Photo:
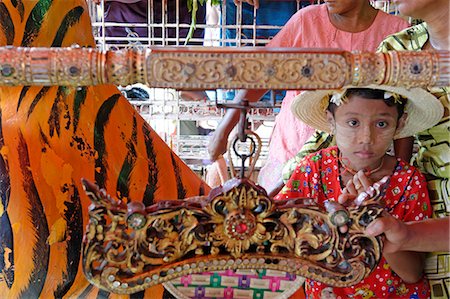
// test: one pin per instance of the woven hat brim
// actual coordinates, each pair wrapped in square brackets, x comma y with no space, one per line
[423,109]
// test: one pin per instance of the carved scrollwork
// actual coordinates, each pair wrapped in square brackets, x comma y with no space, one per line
[211,68]
[412,70]
[129,247]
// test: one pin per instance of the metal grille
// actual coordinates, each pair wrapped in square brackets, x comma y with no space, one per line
[165,23]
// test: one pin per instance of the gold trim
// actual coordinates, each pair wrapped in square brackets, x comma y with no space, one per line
[130,247]
[211,68]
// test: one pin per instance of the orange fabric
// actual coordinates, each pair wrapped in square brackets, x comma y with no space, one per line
[49,140]
[299,294]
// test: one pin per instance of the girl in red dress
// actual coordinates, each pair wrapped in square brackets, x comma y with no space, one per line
[364,122]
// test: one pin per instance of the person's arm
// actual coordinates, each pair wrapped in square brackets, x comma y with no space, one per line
[409,264]
[219,140]
[255,3]
[425,236]
[406,264]
[404,148]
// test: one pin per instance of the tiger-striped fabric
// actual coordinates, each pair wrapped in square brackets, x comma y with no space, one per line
[50,138]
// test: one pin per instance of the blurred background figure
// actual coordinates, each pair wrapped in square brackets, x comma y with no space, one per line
[168,25]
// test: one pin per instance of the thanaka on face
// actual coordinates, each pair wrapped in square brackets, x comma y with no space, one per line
[364,129]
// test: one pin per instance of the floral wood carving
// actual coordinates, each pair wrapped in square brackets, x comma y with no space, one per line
[128,247]
[211,68]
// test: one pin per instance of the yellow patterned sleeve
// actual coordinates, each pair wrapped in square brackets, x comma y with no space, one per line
[319,140]
[409,39]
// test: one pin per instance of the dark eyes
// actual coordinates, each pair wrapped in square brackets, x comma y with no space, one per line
[379,124]
[353,123]
[382,124]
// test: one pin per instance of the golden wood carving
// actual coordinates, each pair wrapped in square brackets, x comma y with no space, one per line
[210,68]
[128,247]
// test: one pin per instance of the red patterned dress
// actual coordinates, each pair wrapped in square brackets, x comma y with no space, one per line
[317,176]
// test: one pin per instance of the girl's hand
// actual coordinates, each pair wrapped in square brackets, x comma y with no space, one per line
[369,192]
[358,184]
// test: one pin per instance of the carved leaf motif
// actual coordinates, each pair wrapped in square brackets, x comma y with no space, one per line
[236,227]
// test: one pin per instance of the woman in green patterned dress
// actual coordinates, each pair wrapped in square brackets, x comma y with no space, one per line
[433,157]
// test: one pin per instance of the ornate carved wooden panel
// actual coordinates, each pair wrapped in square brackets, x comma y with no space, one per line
[128,247]
[210,68]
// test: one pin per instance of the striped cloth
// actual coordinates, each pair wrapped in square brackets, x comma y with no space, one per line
[433,159]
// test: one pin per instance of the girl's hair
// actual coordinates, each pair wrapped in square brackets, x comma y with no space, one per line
[373,94]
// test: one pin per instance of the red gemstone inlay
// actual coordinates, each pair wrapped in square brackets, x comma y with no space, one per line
[241,228]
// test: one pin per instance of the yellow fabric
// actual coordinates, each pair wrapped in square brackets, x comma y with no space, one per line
[433,157]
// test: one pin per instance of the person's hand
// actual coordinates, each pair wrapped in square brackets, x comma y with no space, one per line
[361,196]
[396,232]
[217,145]
[358,184]
[255,3]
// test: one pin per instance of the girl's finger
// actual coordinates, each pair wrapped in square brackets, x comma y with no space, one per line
[364,180]
[345,197]
[356,182]
[351,188]
[378,185]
